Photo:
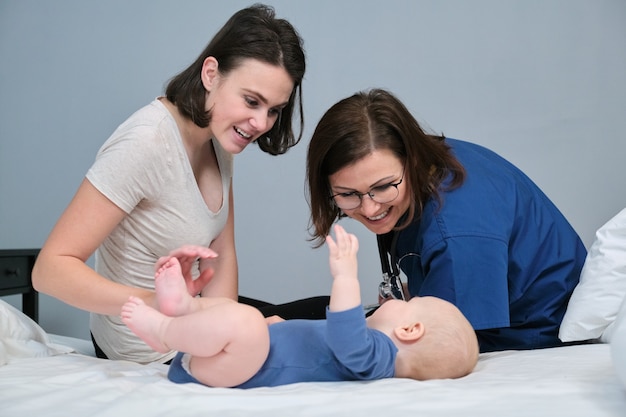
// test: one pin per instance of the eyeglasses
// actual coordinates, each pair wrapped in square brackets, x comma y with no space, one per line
[382,194]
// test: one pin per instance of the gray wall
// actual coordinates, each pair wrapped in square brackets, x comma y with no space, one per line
[541,81]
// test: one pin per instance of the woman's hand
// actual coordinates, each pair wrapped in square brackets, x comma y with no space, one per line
[188,255]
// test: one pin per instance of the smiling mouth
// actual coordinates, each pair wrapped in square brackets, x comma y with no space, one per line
[380,216]
[243,134]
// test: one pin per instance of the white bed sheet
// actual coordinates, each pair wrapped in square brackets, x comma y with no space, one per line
[78,345]
[568,381]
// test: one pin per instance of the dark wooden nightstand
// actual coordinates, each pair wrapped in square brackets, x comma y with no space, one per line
[16,266]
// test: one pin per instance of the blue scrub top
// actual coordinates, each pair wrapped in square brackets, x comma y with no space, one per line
[498,249]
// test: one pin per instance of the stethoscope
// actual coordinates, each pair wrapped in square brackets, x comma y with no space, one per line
[391,285]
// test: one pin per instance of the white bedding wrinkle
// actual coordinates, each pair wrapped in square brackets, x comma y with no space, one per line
[21,337]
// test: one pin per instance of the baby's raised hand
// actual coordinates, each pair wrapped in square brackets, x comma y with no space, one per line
[342,253]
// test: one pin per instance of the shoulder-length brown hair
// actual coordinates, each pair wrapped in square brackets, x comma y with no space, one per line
[358,125]
[255,33]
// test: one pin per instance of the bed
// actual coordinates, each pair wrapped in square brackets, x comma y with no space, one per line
[50,375]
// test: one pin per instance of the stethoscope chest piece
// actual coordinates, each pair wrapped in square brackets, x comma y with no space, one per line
[391,285]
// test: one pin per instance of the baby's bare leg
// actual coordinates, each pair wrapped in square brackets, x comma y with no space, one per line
[236,344]
[171,291]
[146,322]
[229,342]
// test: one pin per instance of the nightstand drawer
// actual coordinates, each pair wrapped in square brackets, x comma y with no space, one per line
[14,272]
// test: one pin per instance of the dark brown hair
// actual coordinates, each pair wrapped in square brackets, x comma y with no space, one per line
[358,125]
[255,33]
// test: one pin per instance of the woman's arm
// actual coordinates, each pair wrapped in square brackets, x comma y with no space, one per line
[60,269]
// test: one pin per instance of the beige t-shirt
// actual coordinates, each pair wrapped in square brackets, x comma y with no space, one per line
[143,168]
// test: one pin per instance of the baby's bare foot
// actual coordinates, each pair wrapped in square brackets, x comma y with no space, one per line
[145,322]
[171,290]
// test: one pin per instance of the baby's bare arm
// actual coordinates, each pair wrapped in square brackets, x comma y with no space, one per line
[346,292]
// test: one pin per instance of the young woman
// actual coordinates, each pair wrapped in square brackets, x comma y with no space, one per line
[461,222]
[164,179]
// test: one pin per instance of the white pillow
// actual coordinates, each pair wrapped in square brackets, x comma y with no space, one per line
[608,334]
[21,337]
[601,291]
[618,345]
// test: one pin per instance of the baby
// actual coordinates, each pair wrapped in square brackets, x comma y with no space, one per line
[222,343]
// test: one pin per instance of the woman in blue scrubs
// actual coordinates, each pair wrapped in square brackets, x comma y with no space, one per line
[461,222]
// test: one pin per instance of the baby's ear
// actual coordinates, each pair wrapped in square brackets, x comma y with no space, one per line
[410,333]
